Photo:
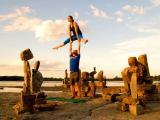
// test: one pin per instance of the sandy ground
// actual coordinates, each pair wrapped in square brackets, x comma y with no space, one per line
[93,109]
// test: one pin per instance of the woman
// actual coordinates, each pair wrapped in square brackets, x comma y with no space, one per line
[74,33]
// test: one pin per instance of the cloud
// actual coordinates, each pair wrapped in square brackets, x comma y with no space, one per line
[53,30]
[76,15]
[18,12]
[49,29]
[142,45]
[134,9]
[145,28]
[22,23]
[119,16]
[119,20]
[45,30]
[47,65]
[97,12]
[139,45]
[156,2]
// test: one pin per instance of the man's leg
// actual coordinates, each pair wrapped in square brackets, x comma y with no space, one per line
[78,87]
[77,84]
[72,86]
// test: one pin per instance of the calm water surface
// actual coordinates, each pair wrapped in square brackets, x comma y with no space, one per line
[47,84]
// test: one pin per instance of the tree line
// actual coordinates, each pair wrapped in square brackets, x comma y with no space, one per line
[20,78]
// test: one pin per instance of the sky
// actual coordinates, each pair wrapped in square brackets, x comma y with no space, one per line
[116,30]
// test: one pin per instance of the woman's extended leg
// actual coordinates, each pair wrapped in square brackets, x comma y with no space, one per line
[68,40]
[58,46]
[62,44]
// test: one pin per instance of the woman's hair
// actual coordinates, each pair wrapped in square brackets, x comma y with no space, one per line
[70,17]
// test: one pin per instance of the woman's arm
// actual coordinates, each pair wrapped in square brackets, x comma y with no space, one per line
[76,29]
[69,33]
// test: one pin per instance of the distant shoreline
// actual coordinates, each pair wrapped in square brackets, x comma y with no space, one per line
[20,78]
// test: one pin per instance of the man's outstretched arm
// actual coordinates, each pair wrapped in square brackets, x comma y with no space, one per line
[70,48]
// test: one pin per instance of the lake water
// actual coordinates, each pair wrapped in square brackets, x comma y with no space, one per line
[20,83]
[47,84]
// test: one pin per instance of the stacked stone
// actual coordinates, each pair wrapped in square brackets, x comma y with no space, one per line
[36,78]
[87,88]
[27,98]
[65,80]
[25,56]
[100,78]
[91,75]
[134,77]
[31,85]
[31,97]
[136,84]
[85,83]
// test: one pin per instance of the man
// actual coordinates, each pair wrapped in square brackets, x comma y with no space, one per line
[74,70]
